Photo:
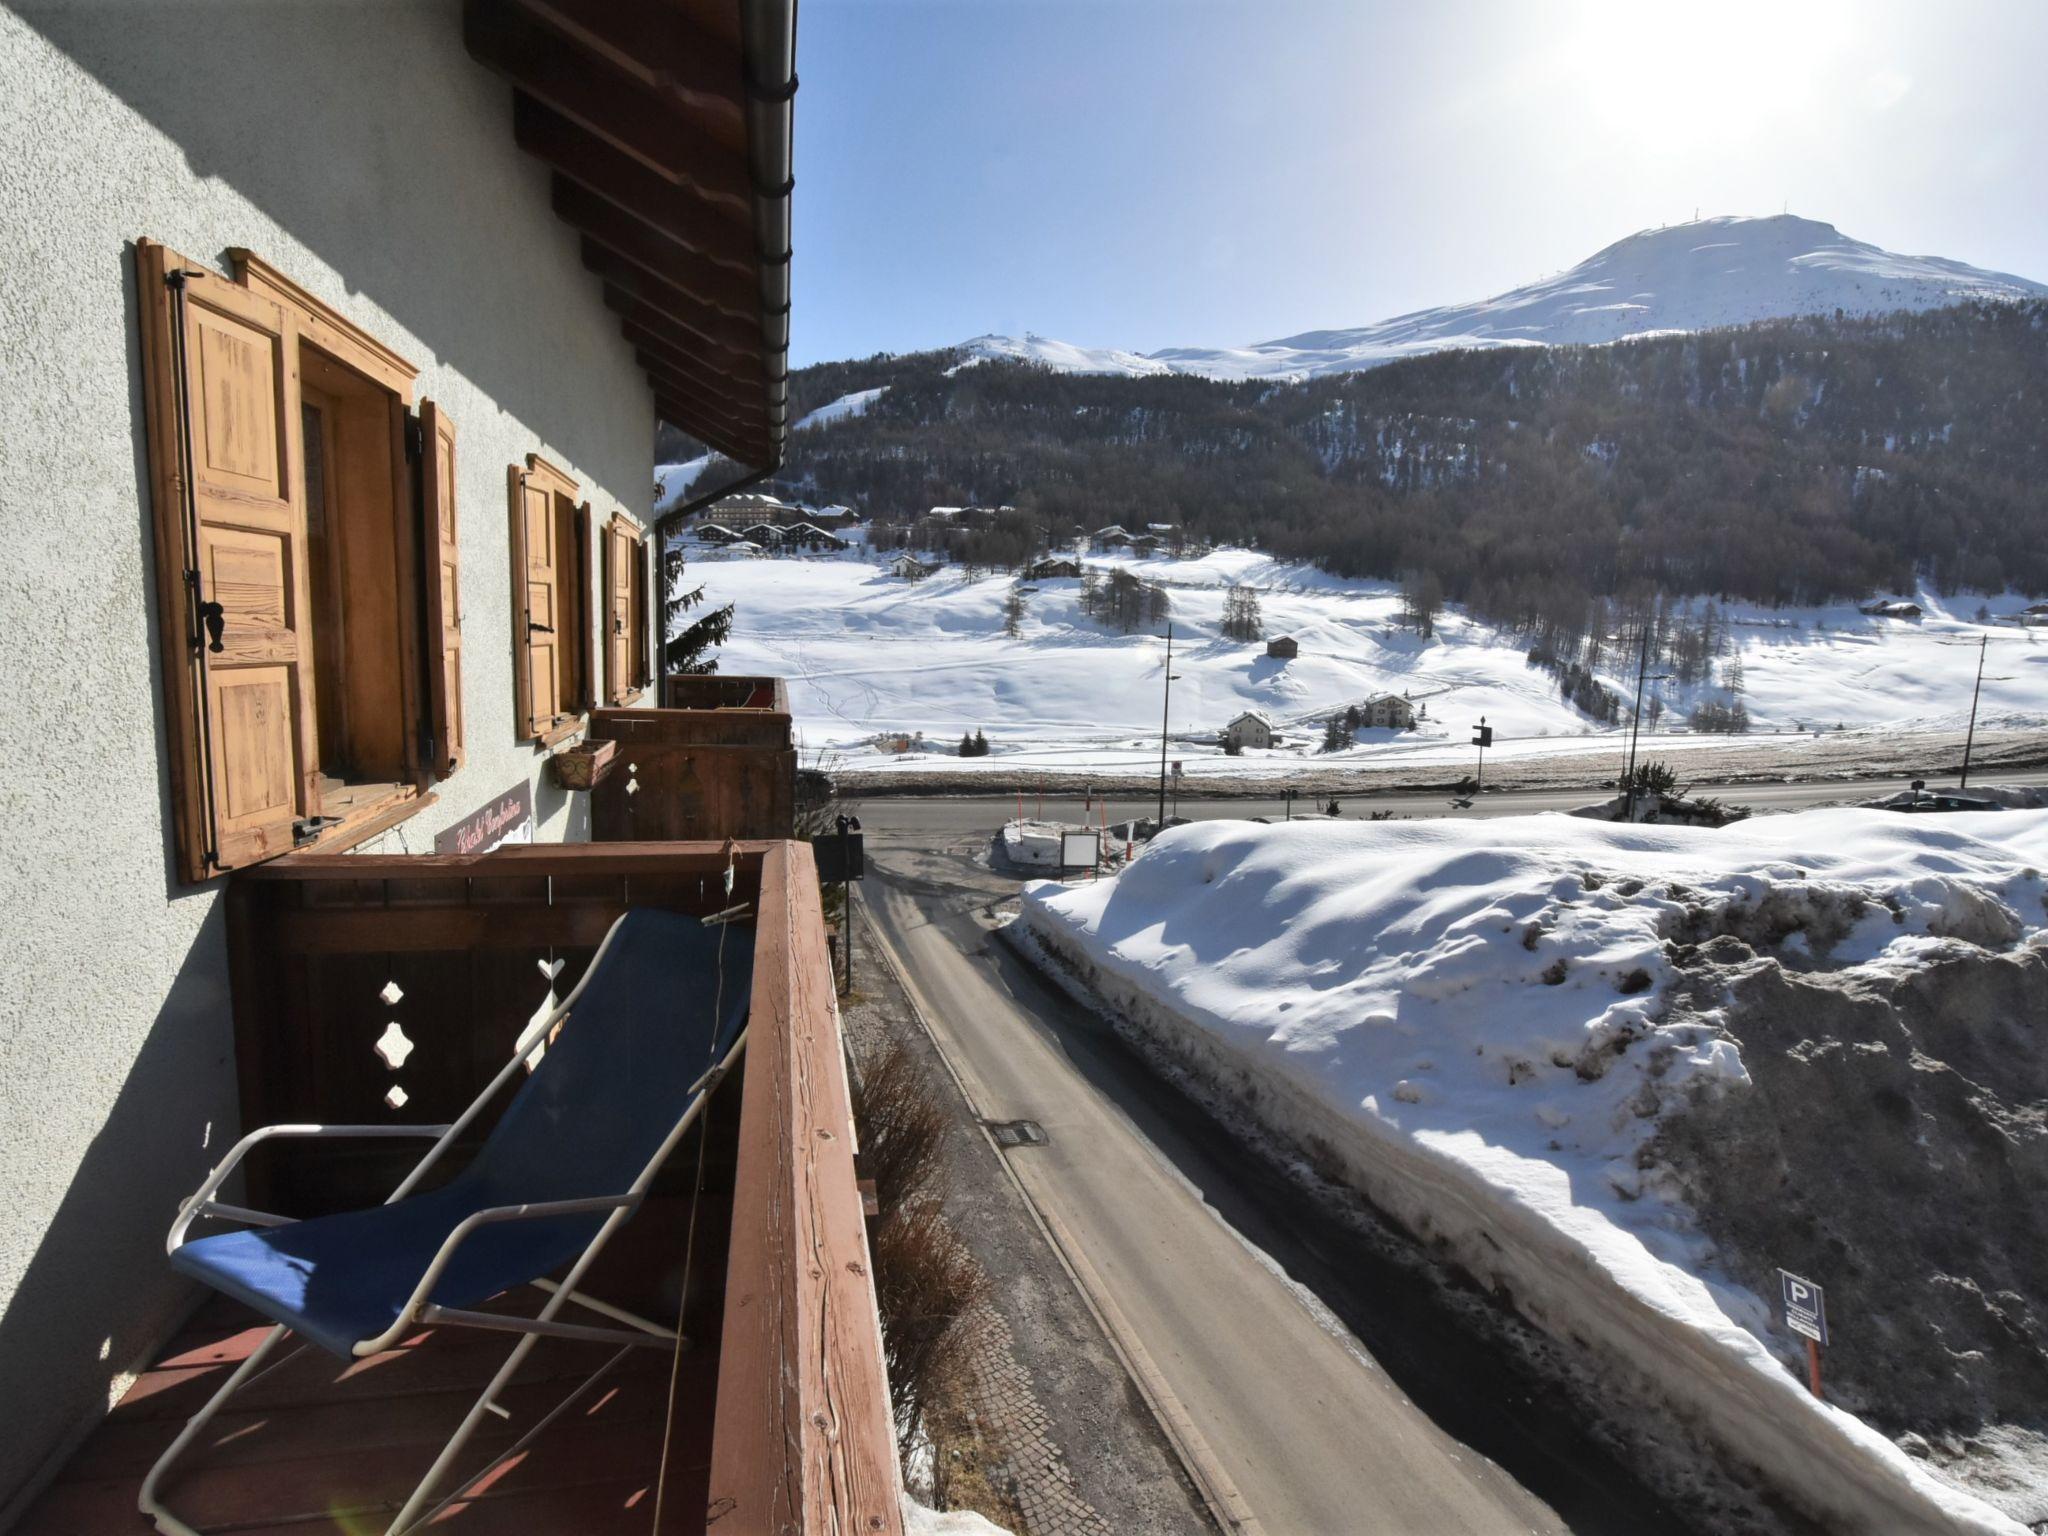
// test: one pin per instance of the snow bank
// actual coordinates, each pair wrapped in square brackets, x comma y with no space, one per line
[1032,844]
[1463,1020]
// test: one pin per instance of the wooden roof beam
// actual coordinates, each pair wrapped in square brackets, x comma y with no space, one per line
[719,295]
[740,359]
[714,409]
[751,452]
[632,117]
[662,48]
[714,229]
[715,330]
[635,311]
[654,351]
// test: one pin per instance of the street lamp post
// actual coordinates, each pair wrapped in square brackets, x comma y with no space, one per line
[1165,709]
[1970,736]
[1635,727]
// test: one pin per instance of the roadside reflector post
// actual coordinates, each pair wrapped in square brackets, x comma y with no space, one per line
[1806,1314]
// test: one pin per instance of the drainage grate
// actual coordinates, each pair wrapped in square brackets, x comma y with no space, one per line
[1016,1133]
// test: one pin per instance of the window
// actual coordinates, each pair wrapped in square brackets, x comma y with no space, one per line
[626,668]
[551,585]
[305,706]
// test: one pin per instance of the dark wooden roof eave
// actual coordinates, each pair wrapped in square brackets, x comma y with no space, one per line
[667,124]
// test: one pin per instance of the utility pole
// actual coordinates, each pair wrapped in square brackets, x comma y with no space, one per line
[1969,739]
[1642,676]
[1164,709]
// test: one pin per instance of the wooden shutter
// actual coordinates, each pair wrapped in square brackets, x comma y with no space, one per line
[623,673]
[537,602]
[583,618]
[444,586]
[221,384]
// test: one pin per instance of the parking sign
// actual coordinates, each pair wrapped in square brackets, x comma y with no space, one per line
[1806,1307]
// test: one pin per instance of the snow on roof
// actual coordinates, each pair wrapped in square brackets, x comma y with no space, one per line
[1252,714]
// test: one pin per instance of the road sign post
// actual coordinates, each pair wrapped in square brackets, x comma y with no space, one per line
[1806,1314]
[1482,738]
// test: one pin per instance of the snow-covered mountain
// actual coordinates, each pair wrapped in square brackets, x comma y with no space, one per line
[1684,277]
[1062,356]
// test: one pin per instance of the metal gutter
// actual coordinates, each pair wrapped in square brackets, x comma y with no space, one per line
[768,53]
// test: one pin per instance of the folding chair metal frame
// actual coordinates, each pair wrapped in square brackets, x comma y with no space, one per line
[419,1311]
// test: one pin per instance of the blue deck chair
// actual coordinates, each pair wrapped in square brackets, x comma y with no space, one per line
[646,1035]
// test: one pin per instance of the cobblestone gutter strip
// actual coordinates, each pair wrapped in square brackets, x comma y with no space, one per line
[1065,1446]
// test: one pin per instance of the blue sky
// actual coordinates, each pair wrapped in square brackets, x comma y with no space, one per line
[1149,173]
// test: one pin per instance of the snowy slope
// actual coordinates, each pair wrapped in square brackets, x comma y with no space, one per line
[867,654]
[855,404]
[1685,277]
[1063,356]
[1469,1017]
[672,482]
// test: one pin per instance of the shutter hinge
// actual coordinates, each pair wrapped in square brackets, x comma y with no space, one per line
[308,828]
[212,618]
[415,439]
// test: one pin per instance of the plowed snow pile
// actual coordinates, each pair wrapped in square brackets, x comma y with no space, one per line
[1625,1072]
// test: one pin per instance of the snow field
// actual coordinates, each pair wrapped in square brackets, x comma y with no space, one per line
[869,655]
[1462,1019]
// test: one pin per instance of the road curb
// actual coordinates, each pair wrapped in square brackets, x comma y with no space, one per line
[1218,1492]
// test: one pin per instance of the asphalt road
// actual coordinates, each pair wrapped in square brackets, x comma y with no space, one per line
[1320,1385]
[941,818]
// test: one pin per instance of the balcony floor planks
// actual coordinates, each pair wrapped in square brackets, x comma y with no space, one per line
[323,1446]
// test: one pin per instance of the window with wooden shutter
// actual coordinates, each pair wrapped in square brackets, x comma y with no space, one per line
[550,579]
[625,619]
[287,564]
[221,385]
[444,584]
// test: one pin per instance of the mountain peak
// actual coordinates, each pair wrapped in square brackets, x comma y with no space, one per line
[1719,271]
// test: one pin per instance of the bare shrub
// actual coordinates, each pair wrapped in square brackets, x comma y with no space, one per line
[926,1280]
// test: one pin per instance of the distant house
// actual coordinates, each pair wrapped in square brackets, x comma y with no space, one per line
[1056,565]
[810,536]
[909,567]
[2032,614]
[1283,646]
[767,535]
[1250,729]
[1389,712]
[836,517]
[1889,610]
[1145,543]
[1111,538]
[715,533]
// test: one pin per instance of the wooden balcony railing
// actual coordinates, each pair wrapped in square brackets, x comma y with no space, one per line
[801,1438]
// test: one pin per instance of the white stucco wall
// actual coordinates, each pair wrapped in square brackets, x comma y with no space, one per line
[357,148]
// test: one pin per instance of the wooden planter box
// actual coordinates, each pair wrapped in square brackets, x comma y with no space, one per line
[581,766]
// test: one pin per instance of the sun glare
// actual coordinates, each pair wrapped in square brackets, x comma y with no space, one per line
[1676,78]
